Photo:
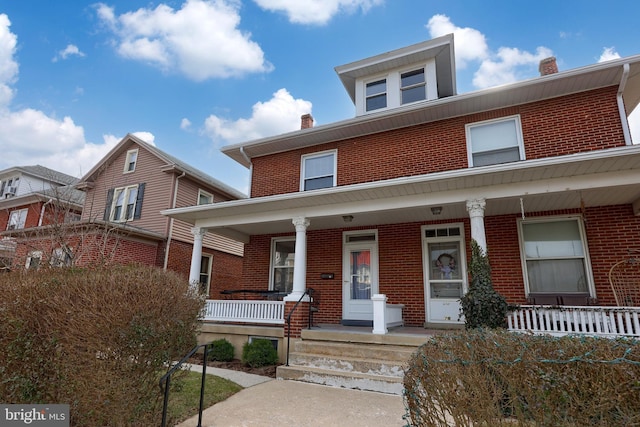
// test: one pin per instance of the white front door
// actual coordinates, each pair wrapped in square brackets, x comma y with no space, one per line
[359,277]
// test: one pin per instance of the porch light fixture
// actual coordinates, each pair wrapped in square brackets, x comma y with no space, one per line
[347,218]
[436,210]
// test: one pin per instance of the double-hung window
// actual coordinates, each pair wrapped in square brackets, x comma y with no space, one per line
[413,86]
[555,256]
[495,141]
[206,261]
[318,171]
[282,260]
[130,162]
[376,95]
[124,203]
[17,219]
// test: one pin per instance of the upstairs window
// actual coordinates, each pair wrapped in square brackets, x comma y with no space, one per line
[495,141]
[124,203]
[9,187]
[413,86]
[318,171]
[130,162]
[204,198]
[376,95]
[17,219]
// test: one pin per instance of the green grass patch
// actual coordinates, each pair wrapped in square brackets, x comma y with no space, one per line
[184,396]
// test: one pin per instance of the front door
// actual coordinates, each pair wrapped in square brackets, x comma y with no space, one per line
[359,277]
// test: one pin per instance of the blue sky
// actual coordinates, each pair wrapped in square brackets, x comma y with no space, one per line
[192,76]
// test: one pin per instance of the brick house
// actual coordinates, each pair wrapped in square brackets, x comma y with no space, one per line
[120,221]
[542,173]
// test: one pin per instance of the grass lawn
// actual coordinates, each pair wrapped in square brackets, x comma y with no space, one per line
[184,396]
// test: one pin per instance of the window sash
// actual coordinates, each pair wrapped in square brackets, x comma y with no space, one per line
[17,219]
[319,171]
[130,162]
[122,211]
[495,142]
[282,264]
[376,95]
[204,198]
[413,86]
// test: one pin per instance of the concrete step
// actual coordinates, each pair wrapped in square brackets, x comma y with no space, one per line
[385,368]
[411,340]
[346,349]
[351,380]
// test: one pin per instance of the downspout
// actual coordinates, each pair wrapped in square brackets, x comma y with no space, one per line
[42,211]
[248,159]
[170,233]
[623,115]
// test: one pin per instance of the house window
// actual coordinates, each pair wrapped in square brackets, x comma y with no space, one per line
[318,171]
[282,259]
[205,273]
[204,198]
[412,86]
[554,256]
[124,203]
[33,260]
[495,141]
[130,162]
[17,219]
[9,187]
[61,257]
[376,95]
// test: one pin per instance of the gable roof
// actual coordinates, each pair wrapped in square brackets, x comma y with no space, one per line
[624,72]
[172,164]
[43,173]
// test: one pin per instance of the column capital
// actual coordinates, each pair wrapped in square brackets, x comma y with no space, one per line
[301,223]
[476,207]
[198,231]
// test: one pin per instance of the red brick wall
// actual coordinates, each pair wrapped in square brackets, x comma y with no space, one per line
[571,124]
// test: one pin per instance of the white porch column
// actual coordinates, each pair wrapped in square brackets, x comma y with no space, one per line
[476,213]
[300,260]
[196,256]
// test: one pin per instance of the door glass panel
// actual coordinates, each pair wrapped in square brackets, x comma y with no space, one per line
[445,273]
[360,274]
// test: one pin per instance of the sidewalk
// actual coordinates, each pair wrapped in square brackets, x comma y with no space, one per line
[266,402]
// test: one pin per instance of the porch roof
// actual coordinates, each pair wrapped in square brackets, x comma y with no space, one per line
[596,178]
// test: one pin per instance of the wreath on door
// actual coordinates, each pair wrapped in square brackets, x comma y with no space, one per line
[446,263]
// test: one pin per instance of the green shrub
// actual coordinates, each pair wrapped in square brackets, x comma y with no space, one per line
[482,306]
[494,377]
[221,350]
[97,339]
[259,352]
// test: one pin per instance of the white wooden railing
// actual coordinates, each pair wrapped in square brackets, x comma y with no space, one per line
[245,311]
[564,320]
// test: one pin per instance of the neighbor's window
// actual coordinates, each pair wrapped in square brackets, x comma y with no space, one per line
[495,141]
[61,257]
[282,259]
[413,86]
[554,255]
[376,95]
[124,203]
[205,273]
[318,171]
[130,162]
[33,260]
[204,198]
[17,219]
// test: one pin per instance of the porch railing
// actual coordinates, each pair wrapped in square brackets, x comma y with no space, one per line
[564,320]
[269,312]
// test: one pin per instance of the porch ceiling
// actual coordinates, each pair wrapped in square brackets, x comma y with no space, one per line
[601,178]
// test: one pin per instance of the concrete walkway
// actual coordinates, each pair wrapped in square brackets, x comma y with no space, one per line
[266,402]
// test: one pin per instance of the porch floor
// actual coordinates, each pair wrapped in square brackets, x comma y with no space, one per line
[400,335]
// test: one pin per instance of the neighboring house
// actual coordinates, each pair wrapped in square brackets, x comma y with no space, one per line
[32,197]
[542,173]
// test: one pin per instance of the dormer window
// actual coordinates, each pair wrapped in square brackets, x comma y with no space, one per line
[413,86]
[130,162]
[376,95]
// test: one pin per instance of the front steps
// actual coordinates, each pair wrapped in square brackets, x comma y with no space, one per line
[351,359]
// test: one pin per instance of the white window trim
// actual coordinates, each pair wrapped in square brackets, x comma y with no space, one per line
[126,190]
[128,160]
[519,136]
[208,284]
[205,194]
[303,159]
[349,233]
[33,254]
[583,240]
[20,224]
[272,254]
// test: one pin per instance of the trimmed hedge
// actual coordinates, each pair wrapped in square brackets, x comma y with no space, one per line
[494,377]
[258,353]
[221,351]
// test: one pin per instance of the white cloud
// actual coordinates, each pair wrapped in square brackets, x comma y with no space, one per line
[278,115]
[68,51]
[506,65]
[201,40]
[608,53]
[185,124]
[316,12]
[8,66]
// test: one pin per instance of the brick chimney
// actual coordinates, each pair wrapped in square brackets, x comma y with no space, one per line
[548,66]
[306,121]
